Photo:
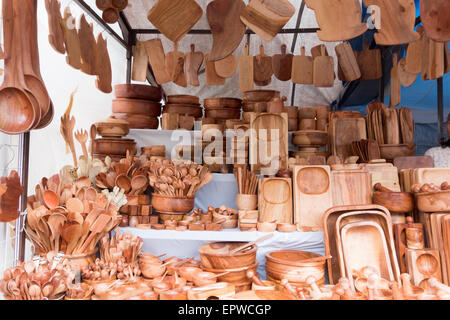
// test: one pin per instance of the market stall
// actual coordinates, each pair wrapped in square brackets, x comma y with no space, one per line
[227,165]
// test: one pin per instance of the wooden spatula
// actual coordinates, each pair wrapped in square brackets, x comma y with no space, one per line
[347,62]
[282,64]
[391,126]
[414,53]
[323,70]
[226,67]
[244,246]
[71,234]
[396,93]
[246,71]
[155,52]
[262,73]
[302,68]
[140,62]
[175,66]
[369,62]
[194,60]
[212,78]
[97,227]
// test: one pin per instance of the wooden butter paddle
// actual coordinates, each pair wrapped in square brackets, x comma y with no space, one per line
[323,75]
[194,60]
[302,68]
[140,62]
[212,78]
[175,66]
[369,62]
[246,71]
[262,71]
[347,62]
[395,83]
[282,64]
[226,67]
[414,53]
[249,244]
[155,52]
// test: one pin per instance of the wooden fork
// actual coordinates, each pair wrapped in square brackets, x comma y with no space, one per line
[82,137]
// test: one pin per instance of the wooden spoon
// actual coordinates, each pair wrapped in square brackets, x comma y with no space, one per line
[71,234]
[55,222]
[123,182]
[138,183]
[249,244]
[51,199]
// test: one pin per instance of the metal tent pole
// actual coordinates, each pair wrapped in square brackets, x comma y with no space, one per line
[440,107]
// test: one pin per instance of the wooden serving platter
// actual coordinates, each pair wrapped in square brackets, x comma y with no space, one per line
[422,265]
[384,173]
[275,200]
[342,132]
[351,187]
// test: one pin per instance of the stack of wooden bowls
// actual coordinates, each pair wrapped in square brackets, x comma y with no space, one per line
[154,151]
[222,109]
[112,143]
[292,112]
[257,101]
[216,258]
[138,104]
[185,105]
[310,143]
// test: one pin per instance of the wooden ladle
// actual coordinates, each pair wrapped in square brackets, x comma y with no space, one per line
[138,183]
[123,182]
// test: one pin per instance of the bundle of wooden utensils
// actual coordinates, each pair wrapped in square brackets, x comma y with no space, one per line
[102,271]
[10,192]
[42,278]
[247,181]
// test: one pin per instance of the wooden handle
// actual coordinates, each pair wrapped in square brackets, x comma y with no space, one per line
[380,188]
[246,50]
[270,235]
[406,282]
[394,60]
[322,50]
[218,275]
[192,47]
[283,49]
[302,51]
[252,276]
[261,50]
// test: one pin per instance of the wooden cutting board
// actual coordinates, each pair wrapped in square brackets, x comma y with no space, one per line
[56,35]
[212,78]
[396,93]
[71,40]
[174,63]
[406,79]
[282,64]
[194,61]
[302,68]
[414,53]
[434,15]
[413,162]
[174,18]
[369,62]
[262,72]
[351,187]
[384,173]
[273,124]
[104,76]
[267,17]
[396,21]
[431,175]
[312,196]
[140,62]
[391,126]
[432,59]
[347,62]
[338,20]
[275,200]
[246,71]
[407,126]
[438,243]
[343,132]
[226,68]
[87,46]
[446,242]
[323,74]
[226,27]
[157,57]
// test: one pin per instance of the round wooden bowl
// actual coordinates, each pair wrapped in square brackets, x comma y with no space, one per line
[307,124]
[235,275]
[266,226]
[138,91]
[392,151]
[286,227]
[438,201]
[152,270]
[216,256]
[254,107]
[184,109]
[138,121]
[247,201]
[113,146]
[183,99]
[261,95]
[399,202]
[189,272]
[222,103]
[136,106]
[172,205]
[224,114]
[230,224]
[307,113]
[110,15]
[307,138]
[287,264]
[218,216]
[113,128]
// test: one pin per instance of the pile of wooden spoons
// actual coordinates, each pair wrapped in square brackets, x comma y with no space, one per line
[40,279]
[110,271]
[121,245]
[10,192]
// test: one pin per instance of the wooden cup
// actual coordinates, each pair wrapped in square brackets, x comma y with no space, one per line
[247,201]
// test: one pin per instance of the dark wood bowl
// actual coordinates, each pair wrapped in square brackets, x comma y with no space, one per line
[138,121]
[172,205]
[254,107]
[261,95]
[224,114]
[113,128]
[220,103]
[113,146]
[183,99]
[184,109]
[392,151]
[397,202]
[138,91]
[136,106]
[310,138]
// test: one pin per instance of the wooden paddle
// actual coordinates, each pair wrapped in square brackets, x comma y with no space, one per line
[194,60]
[212,78]
[323,75]
[262,72]
[71,40]
[226,67]
[414,53]
[140,62]
[155,52]
[432,59]
[226,27]
[302,68]
[391,126]
[369,62]
[347,62]
[249,244]
[395,83]
[406,78]
[246,71]
[87,46]
[282,64]
[56,35]
[104,76]
[406,125]
[435,18]
[175,66]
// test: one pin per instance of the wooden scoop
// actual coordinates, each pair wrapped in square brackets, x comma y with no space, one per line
[245,246]
[262,73]
[138,183]
[97,227]
[194,60]
[123,182]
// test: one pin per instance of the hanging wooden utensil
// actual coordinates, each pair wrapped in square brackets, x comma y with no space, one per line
[104,76]
[414,54]
[226,68]
[71,40]
[267,17]
[87,46]
[157,57]
[406,78]
[282,64]
[434,15]
[369,62]
[226,27]
[212,78]
[262,73]
[174,18]
[347,62]
[246,71]
[432,59]
[140,62]
[395,83]
[194,60]
[338,20]
[396,21]
[302,68]
[175,66]
[323,75]
[56,35]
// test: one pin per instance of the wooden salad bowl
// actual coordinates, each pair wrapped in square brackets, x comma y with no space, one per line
[170,204]
[113,128]
[183,99]
[217,255]
[397,202]
[138,91]
[392,151]
[310,138]
[219,103]
[437,201]
[136,106]
[261,95]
